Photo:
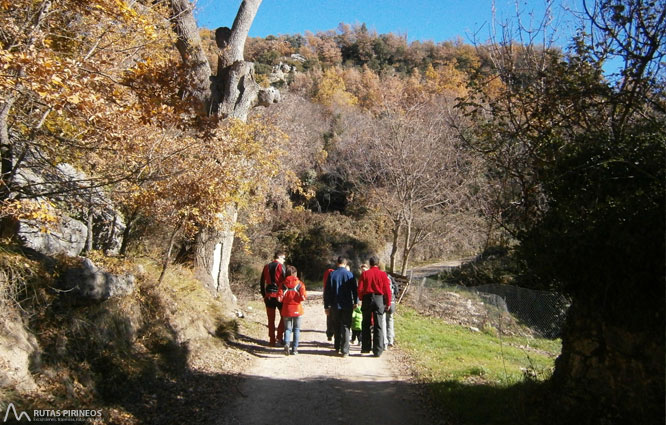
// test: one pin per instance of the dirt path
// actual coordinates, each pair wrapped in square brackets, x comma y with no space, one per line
[433,269]
[319,387]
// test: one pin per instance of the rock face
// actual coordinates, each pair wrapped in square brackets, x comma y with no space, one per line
[89,283]
[67,237]
[17,349]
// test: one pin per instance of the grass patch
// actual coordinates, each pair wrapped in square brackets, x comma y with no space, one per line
[477,377]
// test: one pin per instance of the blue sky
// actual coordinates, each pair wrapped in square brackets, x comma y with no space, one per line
[436,20]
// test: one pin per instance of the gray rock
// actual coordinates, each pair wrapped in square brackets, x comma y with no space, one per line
[67,237]
[18,349]
[88,282]
[298,57]
[108,223]
[268,96]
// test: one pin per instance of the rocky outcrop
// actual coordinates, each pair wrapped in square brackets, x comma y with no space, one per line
[87,282]
[66,237]
[68,188]
[18,347]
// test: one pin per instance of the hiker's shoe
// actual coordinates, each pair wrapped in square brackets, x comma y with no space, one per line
[294,352]
[345,355]
[286,349]
[330,338]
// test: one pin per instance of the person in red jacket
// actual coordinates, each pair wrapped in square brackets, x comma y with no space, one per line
[271,277]
[375,292]
[292,292]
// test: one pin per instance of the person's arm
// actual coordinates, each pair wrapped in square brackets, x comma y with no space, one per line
[354,288]
[262,282]
[387,291]
[327,293]
[361,286]
[303,292]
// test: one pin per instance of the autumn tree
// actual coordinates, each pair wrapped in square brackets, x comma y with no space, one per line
[232,94]
[412,168]
[582,157]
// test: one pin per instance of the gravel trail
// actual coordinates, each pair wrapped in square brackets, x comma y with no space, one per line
[317,386]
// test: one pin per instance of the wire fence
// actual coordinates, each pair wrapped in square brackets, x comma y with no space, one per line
[510,309]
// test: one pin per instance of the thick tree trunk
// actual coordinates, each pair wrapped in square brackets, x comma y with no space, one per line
[5,146]
[212,256]
[609,368]
[192,54]
[233,93]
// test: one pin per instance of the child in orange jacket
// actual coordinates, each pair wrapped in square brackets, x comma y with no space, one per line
[292,292]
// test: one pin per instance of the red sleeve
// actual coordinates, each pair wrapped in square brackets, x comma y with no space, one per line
[303,293]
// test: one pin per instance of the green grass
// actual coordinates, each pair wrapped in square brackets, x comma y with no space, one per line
[477,377]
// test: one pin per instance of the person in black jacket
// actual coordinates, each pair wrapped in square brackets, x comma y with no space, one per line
[340,300]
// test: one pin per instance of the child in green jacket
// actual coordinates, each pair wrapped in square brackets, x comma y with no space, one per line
[357,318]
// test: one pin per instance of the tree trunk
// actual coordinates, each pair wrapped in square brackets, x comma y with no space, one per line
[394,245]
[167,256]
[5,146]
[406,248]
[610,368]
[192,53]
[233,93]
[212,255]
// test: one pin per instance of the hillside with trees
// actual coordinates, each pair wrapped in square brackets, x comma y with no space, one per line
[150,168]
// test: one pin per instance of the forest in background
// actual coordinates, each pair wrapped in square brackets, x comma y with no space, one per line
[416,151]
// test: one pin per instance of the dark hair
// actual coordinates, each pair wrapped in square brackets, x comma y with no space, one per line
[374,261]
[279,253]
[342,260]
[291,271]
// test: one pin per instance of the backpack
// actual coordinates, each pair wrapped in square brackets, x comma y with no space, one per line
[272,287]
[296,289]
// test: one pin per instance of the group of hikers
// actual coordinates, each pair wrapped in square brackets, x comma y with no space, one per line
[370,323]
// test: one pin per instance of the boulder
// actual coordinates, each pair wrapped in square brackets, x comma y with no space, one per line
[88,283]
[268,96]
[18,349]
[67,236]
[108,224]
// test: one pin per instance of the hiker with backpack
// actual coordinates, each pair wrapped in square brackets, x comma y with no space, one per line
[271,277]
[375,292]
[292,293]
[340,299]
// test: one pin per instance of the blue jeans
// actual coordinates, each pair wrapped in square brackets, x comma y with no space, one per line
[292,324]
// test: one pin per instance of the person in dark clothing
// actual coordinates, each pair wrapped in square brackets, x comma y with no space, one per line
[329,318]
[269,284]
[340,299]
[375,292]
